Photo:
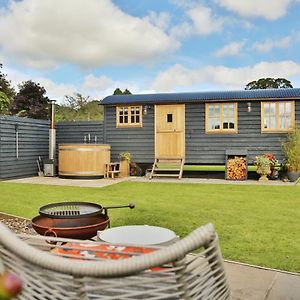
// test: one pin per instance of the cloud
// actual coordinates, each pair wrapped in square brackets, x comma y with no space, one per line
[97,87]
[102,86]
[178,76]
[54,90]
[230,49]
[92,82]
[269,44]
[270,10]
[160,20]
[42,34]
[202,21]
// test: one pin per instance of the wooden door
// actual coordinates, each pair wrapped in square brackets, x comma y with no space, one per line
[169,131]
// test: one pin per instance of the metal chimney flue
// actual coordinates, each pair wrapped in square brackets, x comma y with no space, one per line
[50,164]
[52,132]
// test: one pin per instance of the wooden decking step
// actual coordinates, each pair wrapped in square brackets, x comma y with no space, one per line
[175,165]
[166,170]
[165,175]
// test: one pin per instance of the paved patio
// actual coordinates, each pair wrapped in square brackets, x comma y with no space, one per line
[247,282]
[105,182]
[256,283]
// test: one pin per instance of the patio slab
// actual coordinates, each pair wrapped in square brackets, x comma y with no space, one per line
[97,183]
[108,181]
[286,287]
[256,283]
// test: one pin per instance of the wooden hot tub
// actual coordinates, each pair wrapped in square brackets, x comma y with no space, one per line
[83,160]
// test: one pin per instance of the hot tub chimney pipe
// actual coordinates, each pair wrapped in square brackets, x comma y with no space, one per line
[50,164]
[52,132]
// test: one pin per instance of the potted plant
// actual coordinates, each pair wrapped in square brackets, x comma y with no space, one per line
[263,167]
[125,159]
[291,150]
[274,165]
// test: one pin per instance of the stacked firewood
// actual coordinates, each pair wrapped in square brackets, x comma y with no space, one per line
[236,168]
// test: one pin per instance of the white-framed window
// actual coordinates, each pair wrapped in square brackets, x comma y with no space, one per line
[277,116]
[221,117]
[129,116]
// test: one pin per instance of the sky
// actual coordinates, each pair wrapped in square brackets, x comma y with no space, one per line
[92,47]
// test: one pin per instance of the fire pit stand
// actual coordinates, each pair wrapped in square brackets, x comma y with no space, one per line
[78,220]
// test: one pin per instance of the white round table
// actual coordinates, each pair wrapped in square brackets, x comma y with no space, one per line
[138,234]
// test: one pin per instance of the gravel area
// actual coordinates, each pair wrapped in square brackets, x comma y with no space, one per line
[17,224]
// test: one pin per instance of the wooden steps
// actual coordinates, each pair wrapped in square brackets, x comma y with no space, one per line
[167,167]
[165,175]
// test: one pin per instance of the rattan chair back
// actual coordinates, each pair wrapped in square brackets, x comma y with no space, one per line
[51,269]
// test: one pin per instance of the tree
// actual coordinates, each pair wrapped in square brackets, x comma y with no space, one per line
[79,108]
[126,92]
[117,91]
[30,101]
[269,83]
[77,101]
[4,102]
[5,85]
[6,92]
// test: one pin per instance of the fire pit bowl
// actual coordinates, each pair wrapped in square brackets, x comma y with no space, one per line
[80,228]
[77,220]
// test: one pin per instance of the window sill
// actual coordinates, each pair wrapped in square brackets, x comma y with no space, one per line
[222,132]
[130,126]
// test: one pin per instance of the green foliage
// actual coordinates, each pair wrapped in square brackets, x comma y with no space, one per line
[4,102]
[6,92]
[269,83]
[118,91]
[126,92]
[5,85]
[30,101]
[291,150]
[248,218]
[125,156]
[262,164]
[79,108]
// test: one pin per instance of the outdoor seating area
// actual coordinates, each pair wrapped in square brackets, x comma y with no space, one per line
[149,150]
[59,268]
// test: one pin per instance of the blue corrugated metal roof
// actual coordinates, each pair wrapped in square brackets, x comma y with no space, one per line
[201,96]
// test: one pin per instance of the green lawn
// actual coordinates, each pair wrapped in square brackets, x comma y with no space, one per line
[256,224]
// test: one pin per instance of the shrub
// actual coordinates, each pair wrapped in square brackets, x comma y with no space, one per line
[125,156]
[291,150]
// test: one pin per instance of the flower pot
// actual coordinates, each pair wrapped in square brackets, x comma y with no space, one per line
[263,178]
[124,168]
[293,175]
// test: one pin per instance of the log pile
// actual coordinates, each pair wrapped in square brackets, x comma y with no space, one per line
[236,168]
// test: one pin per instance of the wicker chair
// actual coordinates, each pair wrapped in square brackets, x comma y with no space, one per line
[169,272]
